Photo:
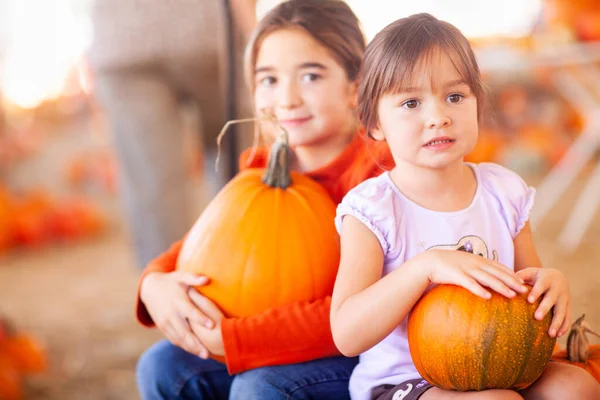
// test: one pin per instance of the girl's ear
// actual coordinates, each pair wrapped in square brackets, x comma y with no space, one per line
[377,134]
[354,95]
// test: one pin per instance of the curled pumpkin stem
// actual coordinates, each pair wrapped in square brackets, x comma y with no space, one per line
[265,116]
[224,131]
[578,345]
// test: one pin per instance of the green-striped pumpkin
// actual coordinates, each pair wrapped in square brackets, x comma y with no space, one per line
[459,341]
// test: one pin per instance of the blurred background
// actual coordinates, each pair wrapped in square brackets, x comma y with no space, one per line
[68,273]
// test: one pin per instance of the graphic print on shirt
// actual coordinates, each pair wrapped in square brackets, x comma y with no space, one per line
[400,394]
[470,244]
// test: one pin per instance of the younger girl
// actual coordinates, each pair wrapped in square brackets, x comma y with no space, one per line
[302,65]
[421,92]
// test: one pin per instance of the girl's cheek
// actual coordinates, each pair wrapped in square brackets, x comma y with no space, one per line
[263,96]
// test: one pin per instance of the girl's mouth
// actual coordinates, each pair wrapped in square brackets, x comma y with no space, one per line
[293,122]
[440,143]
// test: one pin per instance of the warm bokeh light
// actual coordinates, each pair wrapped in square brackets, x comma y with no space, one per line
[45,43]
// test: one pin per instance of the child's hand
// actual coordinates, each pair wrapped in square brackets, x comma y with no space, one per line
[471,272]
[166,299]
[210,337]
[553,285]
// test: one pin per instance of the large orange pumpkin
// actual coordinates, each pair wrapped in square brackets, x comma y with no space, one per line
[459,341]
[267,239]
[579,352]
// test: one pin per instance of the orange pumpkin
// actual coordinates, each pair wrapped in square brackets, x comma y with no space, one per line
[578,351]
[488,146]
[6,220]
[25,352]
[11,387]
[459,341]
[267,239]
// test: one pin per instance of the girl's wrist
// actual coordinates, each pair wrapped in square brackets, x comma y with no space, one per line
[417,269]
[146,284]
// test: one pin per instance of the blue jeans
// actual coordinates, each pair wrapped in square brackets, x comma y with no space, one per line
[166,371]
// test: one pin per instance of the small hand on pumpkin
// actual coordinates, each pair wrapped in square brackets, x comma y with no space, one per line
[554,286]
[165,296]
[209,336]
[472,272]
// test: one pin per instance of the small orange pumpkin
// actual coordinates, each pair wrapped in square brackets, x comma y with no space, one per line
[6,220]
[267,239]
[11,386]
[459,341]
[25,352]
[578,351]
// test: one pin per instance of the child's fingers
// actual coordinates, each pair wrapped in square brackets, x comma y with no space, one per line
[208,307]
[538,289]
[506,276]
[486,279]
[185,337]
[172,334]
[566,323]
[189,278]
[560,314]
[472,286]
[504,269]
[528,275]
[191,312]
[549,300]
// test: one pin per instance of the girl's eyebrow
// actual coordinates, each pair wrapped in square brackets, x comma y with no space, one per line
[313,65]
[455,83]
[306,65]
[449,84]
[263,69]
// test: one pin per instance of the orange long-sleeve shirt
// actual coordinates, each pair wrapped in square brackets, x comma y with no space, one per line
[299,331]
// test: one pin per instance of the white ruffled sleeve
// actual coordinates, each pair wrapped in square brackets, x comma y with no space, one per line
[514,195]
[372,203]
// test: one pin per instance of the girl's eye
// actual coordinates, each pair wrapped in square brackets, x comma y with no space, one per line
[267,81]
[455,98]
[310,77]
[411,104]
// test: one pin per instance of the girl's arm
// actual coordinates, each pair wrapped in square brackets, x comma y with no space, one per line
[294,333]
[549,283]
[365,307]
[526,255]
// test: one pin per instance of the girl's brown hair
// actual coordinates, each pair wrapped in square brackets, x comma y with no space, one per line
[331,22]
[391,58]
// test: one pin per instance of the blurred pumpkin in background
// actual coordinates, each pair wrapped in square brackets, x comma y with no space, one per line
[6,220]
[21,354]
[579,352]
[489,144]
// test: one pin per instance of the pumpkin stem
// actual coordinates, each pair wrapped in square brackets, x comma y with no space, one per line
[277,173]
[224,131]
[578,345]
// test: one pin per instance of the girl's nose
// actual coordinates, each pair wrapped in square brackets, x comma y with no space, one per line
[289,96]
[438,118]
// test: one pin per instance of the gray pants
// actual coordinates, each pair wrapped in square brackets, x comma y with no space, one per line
[145,117]
[148,57]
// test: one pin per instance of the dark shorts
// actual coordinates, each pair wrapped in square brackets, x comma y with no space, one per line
[409,390]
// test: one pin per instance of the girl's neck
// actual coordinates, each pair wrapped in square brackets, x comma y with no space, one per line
[314,156]
[448,189]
